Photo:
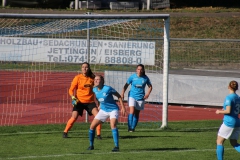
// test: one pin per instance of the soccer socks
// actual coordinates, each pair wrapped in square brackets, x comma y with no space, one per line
[69,124]
[91,134]
[130,120]
[99,127]
[237,147]
[220,152]
[135,121]
[115,137]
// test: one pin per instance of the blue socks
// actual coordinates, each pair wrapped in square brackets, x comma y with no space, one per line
[237,147]
[130,121]
[91,135]
[115,137]
[220,152]
[134,122]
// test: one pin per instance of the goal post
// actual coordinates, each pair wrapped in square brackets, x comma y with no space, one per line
[45,50]
[166,53]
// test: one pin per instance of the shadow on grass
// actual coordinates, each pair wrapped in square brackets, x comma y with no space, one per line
[76,137]
[195,130]
[120,137]
[132,137]
[166,149]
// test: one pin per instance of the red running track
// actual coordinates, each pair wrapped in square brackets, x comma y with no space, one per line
[42,98]
[18,114]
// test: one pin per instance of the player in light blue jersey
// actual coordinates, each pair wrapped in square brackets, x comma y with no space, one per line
[108,109]
[230,128]
[136,96]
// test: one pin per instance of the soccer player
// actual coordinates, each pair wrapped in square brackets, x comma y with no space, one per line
[108,109]
[136,96]
[230,128]
[82,84]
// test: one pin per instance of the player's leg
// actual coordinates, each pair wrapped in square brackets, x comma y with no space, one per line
[113,124]
[92,110]
[99,128]
[77,110]
[234,137]
[135,119]
[99,118]
[139,105]
[235,144]
[224,133]
[220,148]
[131,103]
[91,133]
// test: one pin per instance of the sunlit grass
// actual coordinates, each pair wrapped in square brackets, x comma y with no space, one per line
[181,140]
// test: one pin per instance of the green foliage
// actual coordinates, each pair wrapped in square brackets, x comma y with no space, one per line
[181,140]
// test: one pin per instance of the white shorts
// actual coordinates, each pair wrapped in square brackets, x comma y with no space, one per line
[103,115]
[139,105]
[228,132]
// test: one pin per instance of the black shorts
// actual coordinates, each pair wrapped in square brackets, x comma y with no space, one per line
[87,106]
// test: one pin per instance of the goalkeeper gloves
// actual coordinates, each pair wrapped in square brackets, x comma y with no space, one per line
[74,100]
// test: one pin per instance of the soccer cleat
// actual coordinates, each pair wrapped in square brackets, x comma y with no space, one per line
[65,135]
[131,130]
[115,149]
[90,148]
[99,137]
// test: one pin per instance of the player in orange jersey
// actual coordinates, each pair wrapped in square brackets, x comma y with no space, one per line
[83,98]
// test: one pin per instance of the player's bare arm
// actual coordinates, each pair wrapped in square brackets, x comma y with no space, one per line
[124,89]
[227,111]
[148,92]
[123,109]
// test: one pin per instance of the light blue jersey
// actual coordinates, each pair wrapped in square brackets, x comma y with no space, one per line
[105,98]
[138,85]
[231,119]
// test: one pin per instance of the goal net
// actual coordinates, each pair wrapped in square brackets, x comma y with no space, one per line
[41,54]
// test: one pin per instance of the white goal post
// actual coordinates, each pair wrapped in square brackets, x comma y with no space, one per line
[107,41]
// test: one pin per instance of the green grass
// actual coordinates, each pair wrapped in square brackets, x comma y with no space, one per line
[193,140]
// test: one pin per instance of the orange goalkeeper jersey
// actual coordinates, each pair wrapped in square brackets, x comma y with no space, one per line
[83,86]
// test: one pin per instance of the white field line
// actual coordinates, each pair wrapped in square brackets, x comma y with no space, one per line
[104,153]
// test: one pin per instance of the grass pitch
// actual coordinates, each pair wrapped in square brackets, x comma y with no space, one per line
[193,140]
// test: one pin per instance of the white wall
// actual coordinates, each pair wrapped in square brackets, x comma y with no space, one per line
[183,89]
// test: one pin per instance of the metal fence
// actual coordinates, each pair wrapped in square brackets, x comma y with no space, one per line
[204,53]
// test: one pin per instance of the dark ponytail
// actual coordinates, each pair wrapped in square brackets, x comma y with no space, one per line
[141,65]
[89,72]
